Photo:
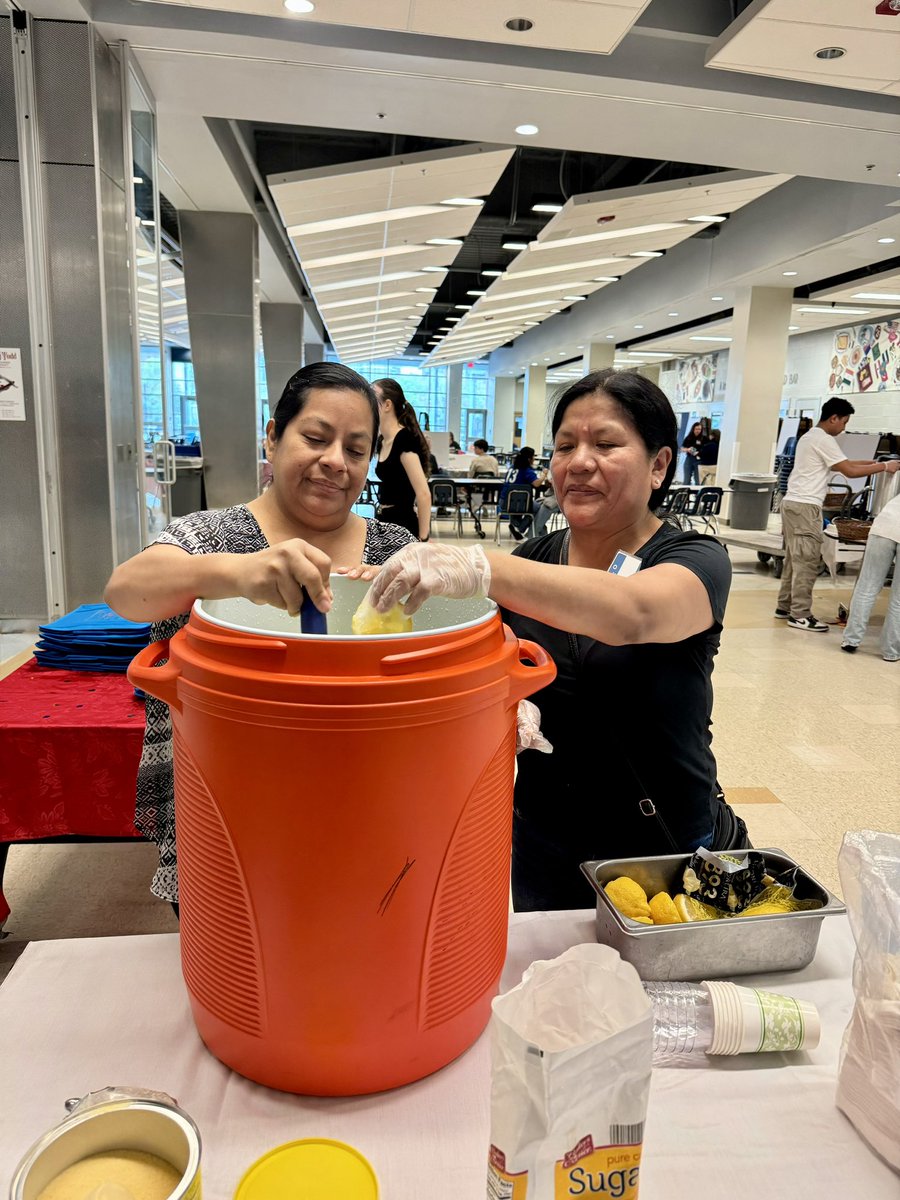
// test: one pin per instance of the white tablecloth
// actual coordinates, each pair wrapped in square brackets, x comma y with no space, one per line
[78,1015]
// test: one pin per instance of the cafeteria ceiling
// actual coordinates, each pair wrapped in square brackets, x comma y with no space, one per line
[655,92]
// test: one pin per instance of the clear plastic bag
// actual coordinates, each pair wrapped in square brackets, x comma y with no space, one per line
[869,1079]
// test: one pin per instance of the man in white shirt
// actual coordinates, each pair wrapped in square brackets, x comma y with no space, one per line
[819,456]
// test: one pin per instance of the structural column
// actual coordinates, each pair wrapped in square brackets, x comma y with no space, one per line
[504,411]
[282,337]
[753,389]
[536,431]
[454,401]
[220,266]
[597,356]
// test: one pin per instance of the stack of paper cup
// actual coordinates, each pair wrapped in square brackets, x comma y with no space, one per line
[747,1021]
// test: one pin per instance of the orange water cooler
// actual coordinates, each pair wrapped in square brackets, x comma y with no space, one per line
[343,813]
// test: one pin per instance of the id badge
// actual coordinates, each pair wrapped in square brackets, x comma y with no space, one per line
[624,564]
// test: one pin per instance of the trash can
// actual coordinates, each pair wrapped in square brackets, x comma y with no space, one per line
[751,500]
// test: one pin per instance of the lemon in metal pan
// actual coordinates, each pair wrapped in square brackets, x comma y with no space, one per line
[630,899]
[663,910]
[367,621]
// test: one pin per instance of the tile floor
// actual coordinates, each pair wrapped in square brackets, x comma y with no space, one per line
[806,740]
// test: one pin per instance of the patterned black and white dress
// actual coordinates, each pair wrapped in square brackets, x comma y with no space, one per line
[219,531]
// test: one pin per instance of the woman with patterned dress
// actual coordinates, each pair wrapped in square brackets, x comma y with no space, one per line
[319,442]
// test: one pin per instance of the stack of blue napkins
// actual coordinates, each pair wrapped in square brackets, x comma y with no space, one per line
[91,638]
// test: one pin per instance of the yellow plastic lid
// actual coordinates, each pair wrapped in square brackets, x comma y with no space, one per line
[310,1169]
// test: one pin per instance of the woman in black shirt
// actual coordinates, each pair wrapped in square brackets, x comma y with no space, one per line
[632,770]
[691,447]
[404,497]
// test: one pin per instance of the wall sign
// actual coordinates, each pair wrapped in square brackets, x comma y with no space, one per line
[12,392]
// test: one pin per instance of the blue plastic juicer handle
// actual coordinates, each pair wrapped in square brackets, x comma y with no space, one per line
[311,620]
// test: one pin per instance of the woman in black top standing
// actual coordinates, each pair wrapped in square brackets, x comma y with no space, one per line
[691,447]
[403,459]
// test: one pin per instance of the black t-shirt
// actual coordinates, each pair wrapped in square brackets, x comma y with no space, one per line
[709,452]
[395,486]
[625,722]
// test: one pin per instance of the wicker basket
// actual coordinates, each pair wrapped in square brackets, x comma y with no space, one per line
[852,530]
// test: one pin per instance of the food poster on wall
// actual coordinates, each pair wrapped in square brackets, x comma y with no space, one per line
[696,380]
[12,392]
[866,358]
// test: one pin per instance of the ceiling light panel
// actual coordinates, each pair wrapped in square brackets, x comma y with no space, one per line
[364,232]
[596,27]
[783,37]
[599,235]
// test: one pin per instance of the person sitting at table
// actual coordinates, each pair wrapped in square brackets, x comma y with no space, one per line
[521,474]
[403,462]
[319,441]
[484,464]
[433,468]
[632,770]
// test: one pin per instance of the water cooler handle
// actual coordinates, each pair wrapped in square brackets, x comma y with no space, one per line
[526,680]
[157,681]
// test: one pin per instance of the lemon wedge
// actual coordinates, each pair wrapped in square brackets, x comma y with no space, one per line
[663,910]
[689,909]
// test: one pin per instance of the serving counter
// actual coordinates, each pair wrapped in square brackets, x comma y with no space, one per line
[81,1014]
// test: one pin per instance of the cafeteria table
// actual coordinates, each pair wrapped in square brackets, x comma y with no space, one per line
[70,744]
[86,1013]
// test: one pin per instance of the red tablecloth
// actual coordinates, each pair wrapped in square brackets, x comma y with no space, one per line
[70,743]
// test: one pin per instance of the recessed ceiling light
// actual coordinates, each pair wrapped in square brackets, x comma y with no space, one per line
[700,219]
[515,245]
[647,254]
[889,296]
[433,269]
[463,202]
[672,314]
[610,335]
[829,52]
[462,305]
[527,130]
[717,297]
[136,179]
[426,289]
[574,299]
[495,272]
[793,328]
[886,241]
[638,327]
[444,242]
[476,292]
[605,279]
[533,364]
[827,310]
[710,339]
[789,272]
[548,207]
[299,6]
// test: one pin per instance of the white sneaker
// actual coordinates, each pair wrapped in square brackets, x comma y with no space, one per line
[808,623]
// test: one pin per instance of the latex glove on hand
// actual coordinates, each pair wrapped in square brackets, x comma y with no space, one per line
[528,729]
[423,569]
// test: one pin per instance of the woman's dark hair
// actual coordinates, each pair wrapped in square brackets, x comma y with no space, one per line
[328,377]
[524,458]
[403,410]
[645,406]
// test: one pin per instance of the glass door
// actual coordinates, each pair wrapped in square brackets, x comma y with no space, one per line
[476,425]
[157,460]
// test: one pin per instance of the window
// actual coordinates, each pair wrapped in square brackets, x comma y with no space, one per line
[424,387]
